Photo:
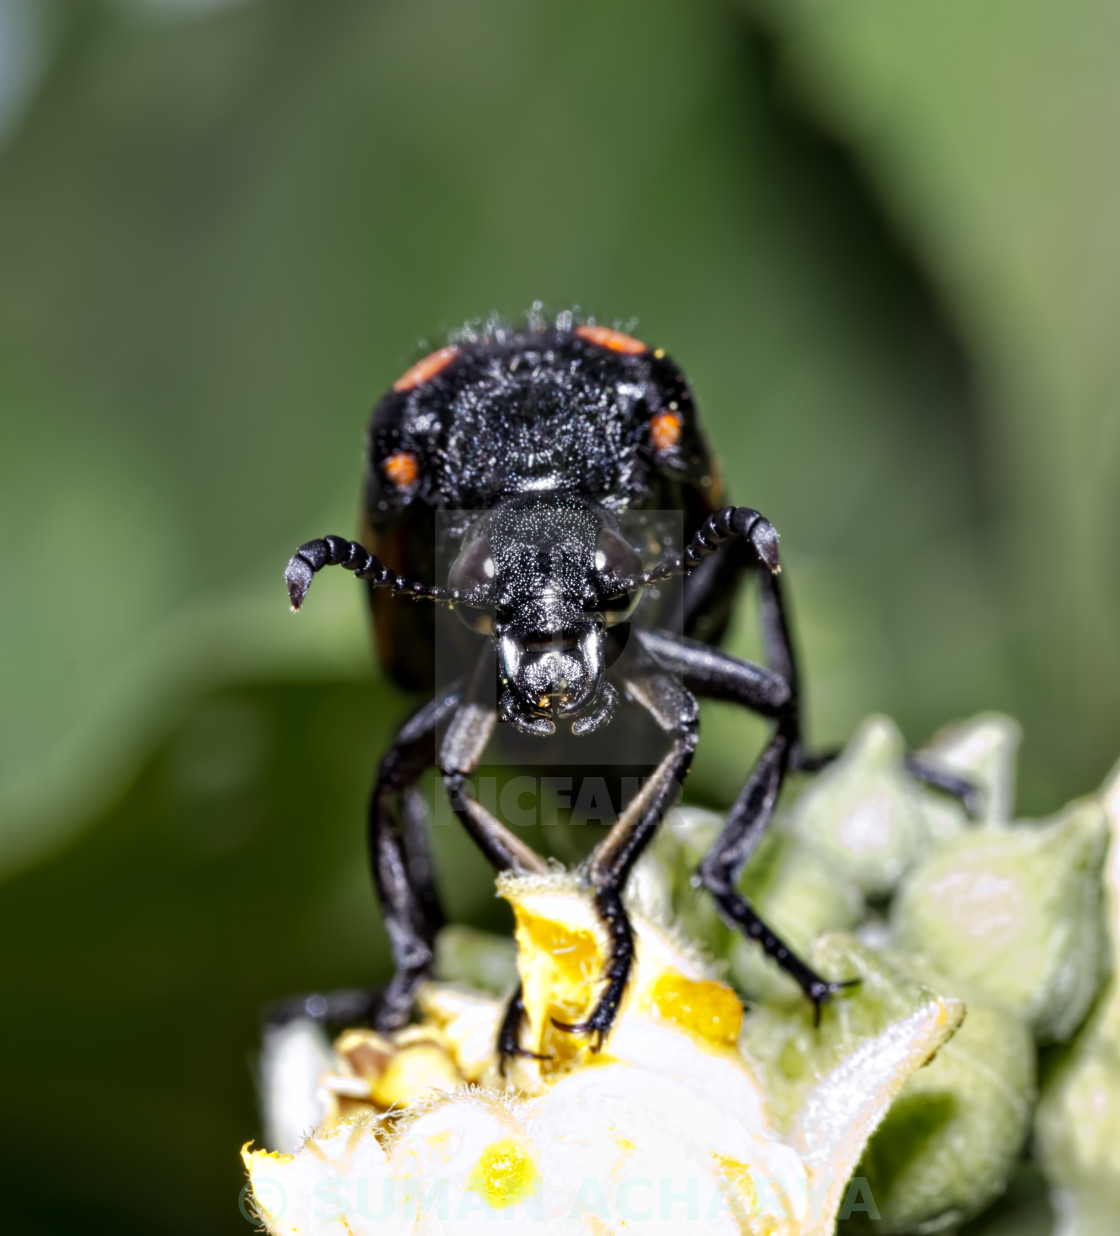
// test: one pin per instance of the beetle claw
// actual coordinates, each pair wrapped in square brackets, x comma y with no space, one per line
[821,993]
[583,1027]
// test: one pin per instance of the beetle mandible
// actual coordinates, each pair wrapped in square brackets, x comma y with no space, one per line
[546,435]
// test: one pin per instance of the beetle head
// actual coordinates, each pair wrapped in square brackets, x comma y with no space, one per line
[536,574]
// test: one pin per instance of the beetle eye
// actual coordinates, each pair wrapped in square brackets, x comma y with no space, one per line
[471,574]
[614,556]
[473,570]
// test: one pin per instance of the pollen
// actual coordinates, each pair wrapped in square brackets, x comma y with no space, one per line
[425,369]
[504,1175]
[402,469]
[665,430]
[604,337]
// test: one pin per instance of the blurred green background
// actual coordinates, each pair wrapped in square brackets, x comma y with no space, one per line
[882,240]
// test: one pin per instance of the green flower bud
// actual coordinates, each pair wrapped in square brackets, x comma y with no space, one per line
[792,1053]
[952,1138]
[1015,911]
[691,831]
[1078,1124]
[863,815]
[1078,1129]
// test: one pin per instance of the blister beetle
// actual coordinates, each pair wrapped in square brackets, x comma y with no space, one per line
[525,447]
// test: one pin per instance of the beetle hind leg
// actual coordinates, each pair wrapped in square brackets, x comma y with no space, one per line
[336,1009]
[970,796]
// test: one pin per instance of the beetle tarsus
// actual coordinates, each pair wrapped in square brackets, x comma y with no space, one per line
[597,1031]
[508,1046]
[822,993]
[298,577]
[970,796]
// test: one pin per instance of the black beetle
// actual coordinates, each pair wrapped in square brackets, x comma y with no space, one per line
[544,437]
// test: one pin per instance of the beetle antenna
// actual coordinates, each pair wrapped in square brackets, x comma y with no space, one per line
[669,568]
[722,526]
[338,551]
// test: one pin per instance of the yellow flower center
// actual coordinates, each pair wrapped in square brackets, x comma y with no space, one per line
[504,1175]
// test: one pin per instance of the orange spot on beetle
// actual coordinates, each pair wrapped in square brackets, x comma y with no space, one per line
[402,469]
[665,430]
[613,339]
[426,368]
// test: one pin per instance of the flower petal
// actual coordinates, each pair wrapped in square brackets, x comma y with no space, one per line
[293,1057]
[335,1186]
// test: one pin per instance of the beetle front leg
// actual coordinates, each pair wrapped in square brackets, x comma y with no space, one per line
[610,864]
[750,529]
[718,675]
[780,654]
[719,872]
[509,1032]
[462,749]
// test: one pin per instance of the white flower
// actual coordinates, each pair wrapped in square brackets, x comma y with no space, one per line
[667,1129]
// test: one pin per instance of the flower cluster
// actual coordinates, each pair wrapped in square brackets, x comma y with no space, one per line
[896,1110]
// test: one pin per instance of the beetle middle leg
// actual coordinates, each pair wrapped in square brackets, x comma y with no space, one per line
[743,829]
[400,858]
[403,875]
